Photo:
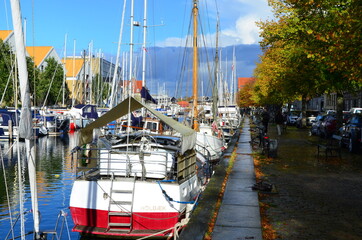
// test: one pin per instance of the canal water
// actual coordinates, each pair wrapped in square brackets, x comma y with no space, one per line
[55,175]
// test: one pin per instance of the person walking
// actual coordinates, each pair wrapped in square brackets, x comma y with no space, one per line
[279,120]
[265,120]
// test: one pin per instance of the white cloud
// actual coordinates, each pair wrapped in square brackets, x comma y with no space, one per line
[238,23]
[244,32]
[171,42]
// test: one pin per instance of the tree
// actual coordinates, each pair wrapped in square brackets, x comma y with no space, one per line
[298,61]
[50,86]
[6,82]
[245,95]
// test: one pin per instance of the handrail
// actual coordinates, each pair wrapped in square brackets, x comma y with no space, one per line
[104,161]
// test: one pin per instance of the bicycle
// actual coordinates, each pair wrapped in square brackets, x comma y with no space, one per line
[265,146]
[262,139]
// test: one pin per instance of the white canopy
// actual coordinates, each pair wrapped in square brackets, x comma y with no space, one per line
[129,105]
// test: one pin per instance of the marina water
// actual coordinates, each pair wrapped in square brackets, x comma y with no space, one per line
[55,176]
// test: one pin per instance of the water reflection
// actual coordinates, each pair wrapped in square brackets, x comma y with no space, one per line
[55,176]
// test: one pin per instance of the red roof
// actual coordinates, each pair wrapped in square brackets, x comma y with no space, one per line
[136,85]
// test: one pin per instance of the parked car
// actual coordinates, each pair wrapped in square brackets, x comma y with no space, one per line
[315,129]
[346,116]
[328,126]
[351,133]
[355,110]
[310,116]
[292,117]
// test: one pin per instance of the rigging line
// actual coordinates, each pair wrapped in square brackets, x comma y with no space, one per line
[51,83]
[21,192]
[33,39]
[217,8]
[207,57]
[2,46]
[6,15]
[184,63]
[7,84]
[168,198]
[182,60]
[207,14]
[7,192]
[154,59]
[60,92]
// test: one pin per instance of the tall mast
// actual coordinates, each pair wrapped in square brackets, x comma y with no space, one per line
[131,45]
[216,75]
[233,79]
[114,85]
[90,80]
[75,84]
[64,71]
[130,66]
[144,50]
[25,125]
[195,12]
[144,44]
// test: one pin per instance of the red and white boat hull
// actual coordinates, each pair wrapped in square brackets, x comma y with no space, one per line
[151,209]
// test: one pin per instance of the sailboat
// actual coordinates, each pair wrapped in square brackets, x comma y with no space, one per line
[207,143]
[25,126]
[135,184]
[138,184]
[229,113]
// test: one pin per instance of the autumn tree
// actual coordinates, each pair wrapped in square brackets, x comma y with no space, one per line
[307,50]
[245,94]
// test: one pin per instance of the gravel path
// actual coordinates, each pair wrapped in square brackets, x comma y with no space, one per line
[315,198]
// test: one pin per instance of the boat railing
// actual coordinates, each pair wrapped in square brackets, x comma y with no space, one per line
[203,150]
[104,163]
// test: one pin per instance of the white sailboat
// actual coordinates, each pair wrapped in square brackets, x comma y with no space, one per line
[26,124]
[138,186]
[207,143]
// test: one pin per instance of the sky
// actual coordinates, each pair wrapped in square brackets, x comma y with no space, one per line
[75,24]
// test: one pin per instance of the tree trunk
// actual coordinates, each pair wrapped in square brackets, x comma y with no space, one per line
[304,112]
[339,110]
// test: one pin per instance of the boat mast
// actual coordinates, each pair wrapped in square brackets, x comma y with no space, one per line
[25,126]
[131,45]
[74,94]
[195,12]
[216,75]
[144,44]
[144,50]
[115,73]
[233,79]
[64,71]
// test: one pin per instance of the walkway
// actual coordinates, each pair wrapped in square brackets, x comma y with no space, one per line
[239,214]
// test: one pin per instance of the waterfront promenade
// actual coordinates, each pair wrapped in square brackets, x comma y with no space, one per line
[238,217]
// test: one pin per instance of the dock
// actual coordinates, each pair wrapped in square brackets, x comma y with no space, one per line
[238,217]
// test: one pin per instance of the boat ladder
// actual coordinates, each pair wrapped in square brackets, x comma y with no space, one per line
[120,205]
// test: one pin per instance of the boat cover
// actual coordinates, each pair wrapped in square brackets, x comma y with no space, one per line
[129,105]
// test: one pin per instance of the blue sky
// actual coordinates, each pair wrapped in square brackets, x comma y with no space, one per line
[99,21]
[48,21]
